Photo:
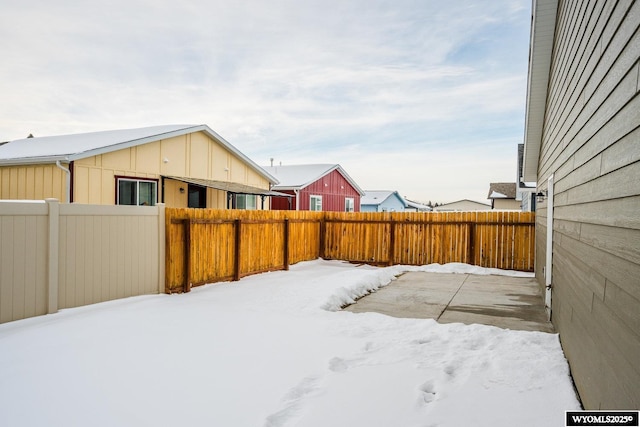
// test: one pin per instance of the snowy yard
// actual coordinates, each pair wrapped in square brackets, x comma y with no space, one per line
[273,350]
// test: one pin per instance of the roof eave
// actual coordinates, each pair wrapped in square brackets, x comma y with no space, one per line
[34,160]
[179,132]
[133,143]
[402,199]
[349,179]
[206,129]
[540,50]
[325,173]
[288,187]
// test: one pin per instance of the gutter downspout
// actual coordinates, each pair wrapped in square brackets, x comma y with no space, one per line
[297,193]
[68,183]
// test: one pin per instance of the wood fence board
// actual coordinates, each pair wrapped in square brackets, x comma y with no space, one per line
[490,239]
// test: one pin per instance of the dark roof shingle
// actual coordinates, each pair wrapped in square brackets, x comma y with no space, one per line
[508,189]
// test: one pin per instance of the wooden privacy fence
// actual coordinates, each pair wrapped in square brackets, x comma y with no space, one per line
[204,246]
[208,245]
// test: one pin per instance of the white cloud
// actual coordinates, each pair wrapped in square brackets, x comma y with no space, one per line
[284,79]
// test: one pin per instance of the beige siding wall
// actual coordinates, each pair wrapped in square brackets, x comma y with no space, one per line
[175,198]
[193,155]
[591,144]
[172,195]
[55,256]
[32,182]
[506,204]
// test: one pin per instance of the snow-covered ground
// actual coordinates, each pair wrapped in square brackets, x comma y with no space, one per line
[273,350]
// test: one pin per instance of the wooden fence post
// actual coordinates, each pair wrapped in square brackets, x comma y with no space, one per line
[236,269]
[392,241]
[286,244]
[472,232]
[323,232]
[187,251]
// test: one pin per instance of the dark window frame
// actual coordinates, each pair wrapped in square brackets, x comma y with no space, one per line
[119,178]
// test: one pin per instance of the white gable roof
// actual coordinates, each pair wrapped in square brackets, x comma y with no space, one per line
[67,148]
[416,205]
[378,197]
[296,177]
[462,205]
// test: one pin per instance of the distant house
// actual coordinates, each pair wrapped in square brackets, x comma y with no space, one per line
[382,201]
[416,207]
[525,191]
[315,187]
[180,165]
[582,148]
[462,205]
[503,196]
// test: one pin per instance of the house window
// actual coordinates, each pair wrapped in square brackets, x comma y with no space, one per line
[197,196]
[349,204]
[136,192]
[246,201]
[316,203]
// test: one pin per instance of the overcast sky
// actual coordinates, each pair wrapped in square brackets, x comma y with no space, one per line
[425,97]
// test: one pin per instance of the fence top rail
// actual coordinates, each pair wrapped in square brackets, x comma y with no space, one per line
[243,221]
[399,221]
[344,221]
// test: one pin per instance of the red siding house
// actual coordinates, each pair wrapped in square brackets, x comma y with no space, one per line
[321,187]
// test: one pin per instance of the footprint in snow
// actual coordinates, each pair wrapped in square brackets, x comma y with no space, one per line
[292,402]
[428,392]
[451,370]
[338,365]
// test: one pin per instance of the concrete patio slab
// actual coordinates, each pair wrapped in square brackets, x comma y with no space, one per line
[502,301]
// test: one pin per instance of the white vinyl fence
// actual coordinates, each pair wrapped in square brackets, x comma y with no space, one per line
[55,256]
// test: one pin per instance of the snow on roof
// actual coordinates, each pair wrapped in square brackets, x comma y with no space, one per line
[377,197]
[75,144]
[66,148]
[502,190]
[295,177]
[463,204]
[417,205]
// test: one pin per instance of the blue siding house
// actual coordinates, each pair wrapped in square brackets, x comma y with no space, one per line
[382,201]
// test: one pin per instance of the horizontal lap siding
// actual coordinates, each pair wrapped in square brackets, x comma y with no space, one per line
[591,144]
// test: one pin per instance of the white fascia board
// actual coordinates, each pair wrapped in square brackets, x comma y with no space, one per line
[287,187]
[190,129]
[132,143]
[402,200]
[349,179]
[344,174]
[34,160]
[540,50]
[206,129]
[323,174]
